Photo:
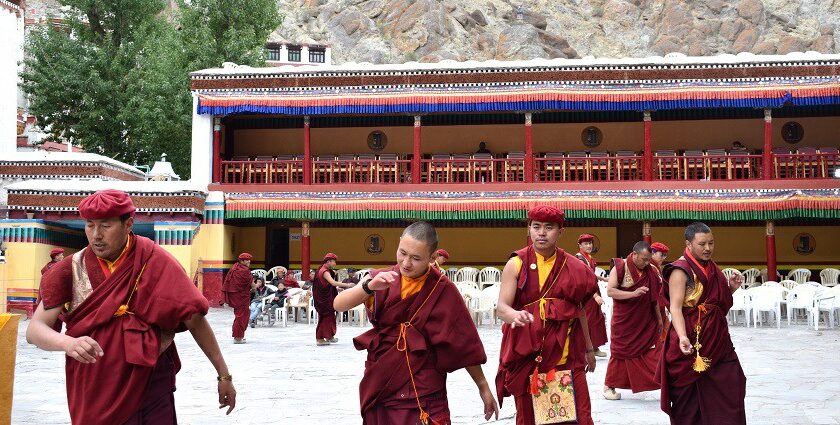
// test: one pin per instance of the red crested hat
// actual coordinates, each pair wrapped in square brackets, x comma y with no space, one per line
[659,247]
[546,214]
[55,252]
[442,253]
[330,256]
[106,204]
[586,237]
[245,256]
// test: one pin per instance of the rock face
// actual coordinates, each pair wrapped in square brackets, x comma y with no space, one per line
[393,31]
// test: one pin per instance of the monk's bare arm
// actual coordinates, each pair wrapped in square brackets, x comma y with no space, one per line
[40,332]
[590,350]
[336,283]
[356,295]
[676,289]
[507,293]
[490,405]
[617,294]
[205,338]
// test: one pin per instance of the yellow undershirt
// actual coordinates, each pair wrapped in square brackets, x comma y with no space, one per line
[410,286]
[544,267]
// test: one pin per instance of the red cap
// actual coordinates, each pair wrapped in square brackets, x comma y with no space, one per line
[659,247]
[546,214]
[55,252]
[106,204]
[245,256]
[586,237]
[330,256]
[442,253]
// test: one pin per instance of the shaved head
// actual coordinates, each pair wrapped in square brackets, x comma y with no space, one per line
[423,232]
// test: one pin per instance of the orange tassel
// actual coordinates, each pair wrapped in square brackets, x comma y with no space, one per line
[550,375]
[534,389]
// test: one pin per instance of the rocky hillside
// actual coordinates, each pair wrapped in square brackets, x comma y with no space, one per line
[392,31]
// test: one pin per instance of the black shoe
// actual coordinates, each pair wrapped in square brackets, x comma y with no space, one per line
[253,323]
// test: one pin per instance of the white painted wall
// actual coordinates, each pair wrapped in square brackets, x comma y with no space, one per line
[202,146]
[11,52]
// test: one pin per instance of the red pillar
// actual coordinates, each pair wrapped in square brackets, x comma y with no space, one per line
[767,157]
[771,251]
[529,150]
[305,256]
[647,174]
[217,149]
[307,157]
[416,162]
[646,232]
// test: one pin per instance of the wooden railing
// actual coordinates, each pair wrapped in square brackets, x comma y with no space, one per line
[546,169]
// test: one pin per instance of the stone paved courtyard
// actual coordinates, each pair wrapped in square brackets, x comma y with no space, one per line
[282,377]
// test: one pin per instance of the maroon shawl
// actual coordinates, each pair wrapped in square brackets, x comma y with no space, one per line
[442,338]
[110,390]
[237,285]
[323,292]
[520,345]
[634,326]
[675,367]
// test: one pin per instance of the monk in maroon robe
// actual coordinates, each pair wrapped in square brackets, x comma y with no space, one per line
[594,315]
[541,302]
[422,330]
[324,290]
[237,291]
[122,299]
[56,255]
[636,324]
[660,253]
[439,258]
[701,377]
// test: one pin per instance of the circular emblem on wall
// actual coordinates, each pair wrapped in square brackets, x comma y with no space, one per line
[377,140]
[793,132]
[591,136]
[373,244]
[804,243]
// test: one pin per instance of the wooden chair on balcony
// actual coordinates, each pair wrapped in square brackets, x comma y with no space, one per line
[600,166]
[235,172]
[282,172]
[514,168]
[460,169]
[364,168]
[483,168]
[322,169]
[343,168]
[577,167]
[667,165]
[808,163]
[829,161]
[554,166]
[784,163]
[742,167]
[694,165]
[296,169]
[718,164]
[439,168]
[388,169]
[626,165]
[260,170]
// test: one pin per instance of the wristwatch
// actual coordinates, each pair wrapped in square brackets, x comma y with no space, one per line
[227,377]
[366,288]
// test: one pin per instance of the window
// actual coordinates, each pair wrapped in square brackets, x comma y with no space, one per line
[294,54]
[272,53]
[317,56]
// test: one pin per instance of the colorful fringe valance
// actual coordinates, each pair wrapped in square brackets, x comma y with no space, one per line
[626,205]
[524,97]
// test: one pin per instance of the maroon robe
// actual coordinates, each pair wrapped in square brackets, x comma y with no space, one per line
[47,267]
[237,292]
[716,395]
[634,333]
[520,345]
[594,315]
[442,338]
[324,294]
[290,282]
[119,385]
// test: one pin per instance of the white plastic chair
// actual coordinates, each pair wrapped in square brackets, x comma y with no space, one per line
[451,273]
[467,274]
[766,299]
[829,277]
[741,301]
[486,303]
[729,272]
[273,272]
[600,272]
[297,274]
[825,301]
[302,300]
[607,306]
[489,276]
[789,284]
[800,275]
[764,277]
[751,277]
[800,297]
[259,273]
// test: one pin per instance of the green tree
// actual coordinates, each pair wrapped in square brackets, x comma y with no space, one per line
[115,77]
